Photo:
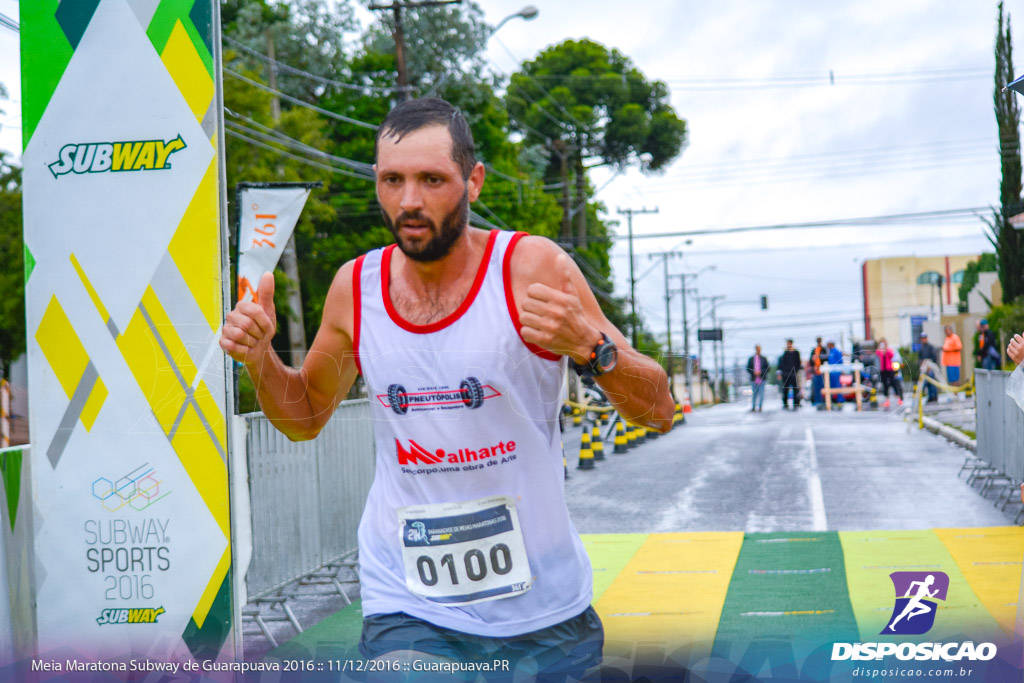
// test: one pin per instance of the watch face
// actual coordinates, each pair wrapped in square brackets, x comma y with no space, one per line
[607,354]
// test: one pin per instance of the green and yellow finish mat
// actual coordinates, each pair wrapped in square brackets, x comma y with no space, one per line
[694,597]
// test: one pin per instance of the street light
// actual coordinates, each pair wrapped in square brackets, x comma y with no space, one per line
[527,13]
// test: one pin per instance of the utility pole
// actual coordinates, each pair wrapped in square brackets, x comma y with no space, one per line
[700,348]
[714,344]
[686,330]
[629,213]
[289,260]
[561,149]
[665,256]
[275,102]
[398,35]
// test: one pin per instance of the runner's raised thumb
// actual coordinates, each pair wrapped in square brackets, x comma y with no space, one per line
[265,294]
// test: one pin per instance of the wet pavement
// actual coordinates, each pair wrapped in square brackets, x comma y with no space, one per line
[729,469]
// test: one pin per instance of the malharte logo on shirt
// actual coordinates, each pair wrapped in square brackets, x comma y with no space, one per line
[416,454]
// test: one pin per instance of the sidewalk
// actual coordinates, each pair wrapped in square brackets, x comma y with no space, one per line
[958,414]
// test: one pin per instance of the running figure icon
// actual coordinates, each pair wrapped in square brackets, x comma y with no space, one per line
[915,606]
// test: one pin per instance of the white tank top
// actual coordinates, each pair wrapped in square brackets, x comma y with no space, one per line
[465,525]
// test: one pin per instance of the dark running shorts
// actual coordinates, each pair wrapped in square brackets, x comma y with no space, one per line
[565,649]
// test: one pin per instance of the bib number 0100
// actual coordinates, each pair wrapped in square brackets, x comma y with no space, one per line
[473,560]
[466,552]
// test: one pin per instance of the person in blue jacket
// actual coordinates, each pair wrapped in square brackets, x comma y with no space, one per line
[835,357]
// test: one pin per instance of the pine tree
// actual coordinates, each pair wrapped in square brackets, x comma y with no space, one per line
[1009,242]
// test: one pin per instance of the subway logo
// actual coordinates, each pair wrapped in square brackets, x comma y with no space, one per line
[130,615]
[100,157]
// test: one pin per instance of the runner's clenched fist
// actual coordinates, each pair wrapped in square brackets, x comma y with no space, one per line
[249,328]
[554,319]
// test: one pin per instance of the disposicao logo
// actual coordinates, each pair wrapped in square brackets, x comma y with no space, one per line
[100,157]
[913,614]
[916,595]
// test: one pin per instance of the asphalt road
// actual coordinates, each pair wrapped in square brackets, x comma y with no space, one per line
[728,469]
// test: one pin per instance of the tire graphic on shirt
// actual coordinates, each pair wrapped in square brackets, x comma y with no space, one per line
[396,392]
[471,394]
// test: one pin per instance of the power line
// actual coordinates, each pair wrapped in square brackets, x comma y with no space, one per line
[306,74]
[833,223]
[821,170]
[830,78]
[846,245]
[7,22]
[308,162]
[297,101]
[272,135]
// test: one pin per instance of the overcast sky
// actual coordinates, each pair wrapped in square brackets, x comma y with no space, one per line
[907,126]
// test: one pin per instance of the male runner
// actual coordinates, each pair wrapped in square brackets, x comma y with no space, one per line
[466,548]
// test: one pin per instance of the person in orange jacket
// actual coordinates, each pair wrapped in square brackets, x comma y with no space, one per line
[951,348]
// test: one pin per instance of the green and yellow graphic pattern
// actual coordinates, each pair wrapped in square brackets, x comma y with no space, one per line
[699,588]
[188,413]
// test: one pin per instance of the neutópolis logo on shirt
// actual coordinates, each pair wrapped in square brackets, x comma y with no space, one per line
[471,394]
[916,596]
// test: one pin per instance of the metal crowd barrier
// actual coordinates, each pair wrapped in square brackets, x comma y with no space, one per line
[1000,434]
[306,497]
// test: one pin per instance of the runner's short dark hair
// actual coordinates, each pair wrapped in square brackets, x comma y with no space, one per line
[412,115]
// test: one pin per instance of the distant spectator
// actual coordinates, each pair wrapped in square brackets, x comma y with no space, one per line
[885,358]
[757,367]
[951,348]
[835,357]
[819,356]
[789,366]
[987,352]
[929,366]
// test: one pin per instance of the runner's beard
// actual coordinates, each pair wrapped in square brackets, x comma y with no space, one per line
[438,246]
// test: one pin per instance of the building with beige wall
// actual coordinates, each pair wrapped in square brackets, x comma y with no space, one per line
[902,296]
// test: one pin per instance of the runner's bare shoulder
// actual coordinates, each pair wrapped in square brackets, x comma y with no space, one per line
[339,307]
[533,260]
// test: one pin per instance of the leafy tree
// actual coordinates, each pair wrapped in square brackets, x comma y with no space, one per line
[305,34]
[1007,318]
[442,44]
[343,220]
[986,263]
[1008,242]
[591,106]
[12,267]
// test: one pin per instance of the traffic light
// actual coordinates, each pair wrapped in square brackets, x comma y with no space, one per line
[764,302]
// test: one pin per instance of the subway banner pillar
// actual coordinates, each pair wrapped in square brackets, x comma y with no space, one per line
[130,552]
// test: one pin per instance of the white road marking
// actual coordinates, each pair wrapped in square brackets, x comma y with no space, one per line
[814,484]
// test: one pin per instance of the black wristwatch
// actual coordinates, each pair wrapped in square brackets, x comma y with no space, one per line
[602,359]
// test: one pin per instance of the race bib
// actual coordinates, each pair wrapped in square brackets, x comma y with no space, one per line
[460,553]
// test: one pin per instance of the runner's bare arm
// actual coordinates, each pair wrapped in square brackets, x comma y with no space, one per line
[559,313]
[298,402]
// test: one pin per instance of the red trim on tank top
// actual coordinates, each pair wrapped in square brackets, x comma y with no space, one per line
[385,276]
[357,308]
[506,276]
